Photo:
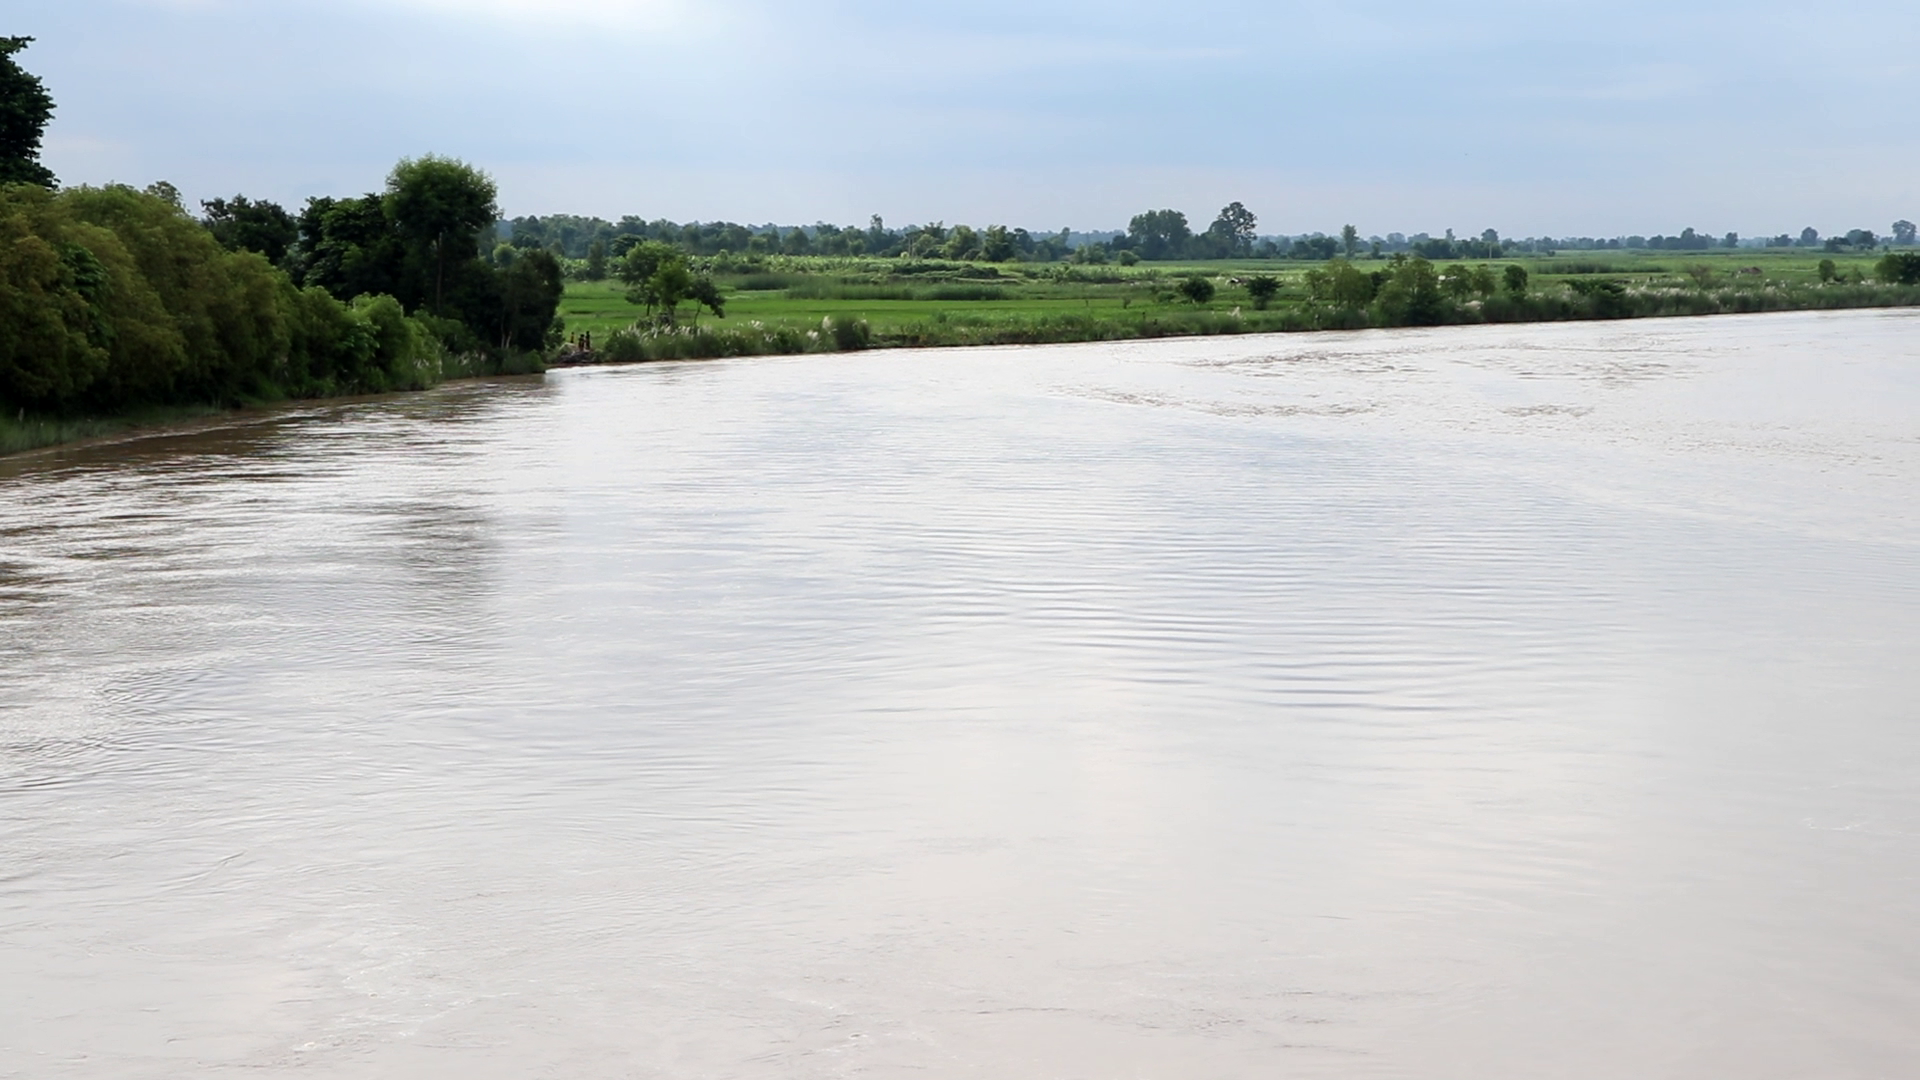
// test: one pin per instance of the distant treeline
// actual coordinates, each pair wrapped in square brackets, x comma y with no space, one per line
[587,242]
[1414,292]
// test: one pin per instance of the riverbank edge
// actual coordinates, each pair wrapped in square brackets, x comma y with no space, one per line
[27,435]
[43,434]
[710,343]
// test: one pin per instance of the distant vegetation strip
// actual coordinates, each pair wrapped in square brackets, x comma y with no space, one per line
[796,304]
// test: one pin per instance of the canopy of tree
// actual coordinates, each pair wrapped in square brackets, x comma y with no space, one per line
[112,298]
[25,108]
[420,242]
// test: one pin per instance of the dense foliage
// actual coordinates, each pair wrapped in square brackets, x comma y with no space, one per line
[112,298]
[1900,268]
[25,108]
[420,242]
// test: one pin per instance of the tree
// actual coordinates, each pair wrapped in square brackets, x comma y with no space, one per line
[597,261]
[1462,281]
[1903,232]
[1233,230]
[530,292]
[348,247]
[1349,239]
[243,225]
[1342,284]
[1809,236]
[639,269]
[642,259]
[1516,280]
[707,295]
[1411,295]
[1263,289]
[1197,289]
[438,206]
[658,276]
[962,243]
[671,283]
[1314,247]
[1159,234]
[25,108]
[997,244]
[1828,271]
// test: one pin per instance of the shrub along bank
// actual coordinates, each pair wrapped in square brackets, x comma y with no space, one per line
[115,302]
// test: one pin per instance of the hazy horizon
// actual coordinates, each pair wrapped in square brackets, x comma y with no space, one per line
[1535,121]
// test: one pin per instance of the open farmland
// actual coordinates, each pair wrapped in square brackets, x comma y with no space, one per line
[905,302]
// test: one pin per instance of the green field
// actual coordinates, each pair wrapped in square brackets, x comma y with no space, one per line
[932,303]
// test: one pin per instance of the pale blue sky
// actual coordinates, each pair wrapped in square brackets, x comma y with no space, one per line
[1541,117]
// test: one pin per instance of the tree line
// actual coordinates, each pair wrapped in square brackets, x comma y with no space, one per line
[113,298]
[590,247]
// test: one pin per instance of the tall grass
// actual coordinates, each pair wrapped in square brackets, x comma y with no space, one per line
[22,431]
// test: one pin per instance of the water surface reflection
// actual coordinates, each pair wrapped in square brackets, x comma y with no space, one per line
[1459,703]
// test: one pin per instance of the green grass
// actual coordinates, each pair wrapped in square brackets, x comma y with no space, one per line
[21,432]
[934,303]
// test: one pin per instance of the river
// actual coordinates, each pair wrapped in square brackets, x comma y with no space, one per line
[1465,703]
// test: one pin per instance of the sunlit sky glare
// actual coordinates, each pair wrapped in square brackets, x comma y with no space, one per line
[1534,117]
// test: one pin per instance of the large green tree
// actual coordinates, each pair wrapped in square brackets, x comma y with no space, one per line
[1232,232]
[1159,234]
[241,224]
[348,247]
[438,207]
[25,108]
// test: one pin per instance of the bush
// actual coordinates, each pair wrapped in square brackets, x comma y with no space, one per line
[1899,268]
[624,347]
[850,334]
[1197,289]
[1263,288]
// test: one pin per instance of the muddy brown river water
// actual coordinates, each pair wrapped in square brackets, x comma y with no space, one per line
[1472,703]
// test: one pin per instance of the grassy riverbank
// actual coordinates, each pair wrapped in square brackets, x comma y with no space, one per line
[789,304]
[20,433]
